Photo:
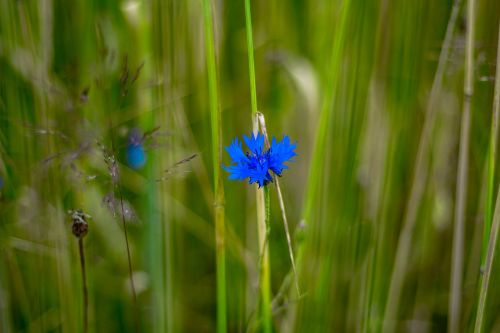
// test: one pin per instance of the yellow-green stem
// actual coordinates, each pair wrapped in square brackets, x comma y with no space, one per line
[251,62]
[490,232]
[262,197]
[84,286]
[461,192]
[263,212]
[215,118]
[418,182]
[491,166]
[263,128]
[478,327]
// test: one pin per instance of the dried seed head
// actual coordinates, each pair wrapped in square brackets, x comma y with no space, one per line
[111,163]
[115,207]
[79,222]
[109,201]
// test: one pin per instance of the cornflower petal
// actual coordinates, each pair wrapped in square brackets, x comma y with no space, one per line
[236,152]
[255,143]
[281,152]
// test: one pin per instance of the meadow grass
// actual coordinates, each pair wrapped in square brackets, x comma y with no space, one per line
[215,120]
[262,196]
[391,203]
[490,230]
[455,305]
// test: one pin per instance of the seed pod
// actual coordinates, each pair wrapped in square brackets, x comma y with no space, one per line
[79,220]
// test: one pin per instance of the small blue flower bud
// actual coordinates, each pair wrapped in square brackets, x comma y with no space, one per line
[136,156]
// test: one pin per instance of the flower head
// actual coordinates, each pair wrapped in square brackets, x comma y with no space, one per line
[136,156]
[256,163]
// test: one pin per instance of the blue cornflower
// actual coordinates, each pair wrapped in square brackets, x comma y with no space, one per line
[257,162]
[136,156]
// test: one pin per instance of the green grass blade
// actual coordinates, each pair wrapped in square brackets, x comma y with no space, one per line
[419,179]
[456,276]
[251,61]
[493,235]
[215,118]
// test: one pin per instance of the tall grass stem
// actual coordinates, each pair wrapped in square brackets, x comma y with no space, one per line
[265,270]
[478,326]
[419,179]
[84,286]
[129,260]
[215,118]
[457,263]
[251,61]
[263,127]
[116,183]
[262,197]
[493,232]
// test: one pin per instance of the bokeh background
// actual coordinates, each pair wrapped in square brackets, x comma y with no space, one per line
[349,80]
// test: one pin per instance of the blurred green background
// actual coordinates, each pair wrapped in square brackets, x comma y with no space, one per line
[349,80]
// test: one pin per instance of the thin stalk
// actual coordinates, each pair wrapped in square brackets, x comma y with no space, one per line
[113,168]
[456,278]
[84,286]
[265,270]
[262,197]
[251,62]
[493,235]
[215,118]
[491,163]
[419,180]
[287,233]
[326,114]
[478,327]
[263,128]
[129,259]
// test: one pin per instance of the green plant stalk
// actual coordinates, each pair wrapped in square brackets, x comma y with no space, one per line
[419,180]
[84,286]
[491,166]
[156,260]
[262,197]
[490,186]
[265,269]
[321,145]
[125,233]
[158,263]
[215,119]
[262,122]
[326,115]
[129,260]
[287,234]
[377,93]
[478,327]
[251,61]
[263,209]
[456,278]
[155,237]
[490,231]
